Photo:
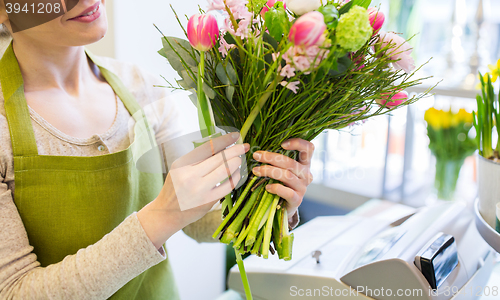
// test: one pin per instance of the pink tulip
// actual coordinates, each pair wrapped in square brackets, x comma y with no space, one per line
[399,50]
[203,32]
[393,101]
[308,29]
[376,18]
[270,4]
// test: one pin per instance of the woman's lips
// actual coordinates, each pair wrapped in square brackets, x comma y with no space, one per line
[89,15]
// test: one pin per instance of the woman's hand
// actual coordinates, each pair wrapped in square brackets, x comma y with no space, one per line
[190,189]
[295,175]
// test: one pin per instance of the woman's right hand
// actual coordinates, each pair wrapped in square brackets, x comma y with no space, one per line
[190,189]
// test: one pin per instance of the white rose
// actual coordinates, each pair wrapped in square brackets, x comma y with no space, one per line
[301,7]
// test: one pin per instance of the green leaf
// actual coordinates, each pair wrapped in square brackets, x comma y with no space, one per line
[233,77]
[256,5]
[208,91]
[341,66]
[183,84]
[363,3]
[229,39]
[179,53]
[331,15]
[187,81]
[162,52]
[276,21]
[221,74]
[258,122]
[230,93]
[270,40]
[348,5]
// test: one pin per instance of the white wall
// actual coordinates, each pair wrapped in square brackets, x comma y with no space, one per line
[199,268]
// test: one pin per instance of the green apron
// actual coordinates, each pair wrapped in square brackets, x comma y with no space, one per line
[68,203]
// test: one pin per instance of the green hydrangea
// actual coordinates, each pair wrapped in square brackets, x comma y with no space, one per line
[256,5]
[353,29]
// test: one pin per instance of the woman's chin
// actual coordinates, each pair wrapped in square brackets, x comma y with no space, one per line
[93,38]
[80,38]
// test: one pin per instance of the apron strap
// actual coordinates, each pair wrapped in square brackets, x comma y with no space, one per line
[125,95]
[16,109]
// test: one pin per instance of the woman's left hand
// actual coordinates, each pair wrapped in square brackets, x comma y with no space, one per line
[295,175]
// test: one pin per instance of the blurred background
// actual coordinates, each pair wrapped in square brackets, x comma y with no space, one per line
[388,157]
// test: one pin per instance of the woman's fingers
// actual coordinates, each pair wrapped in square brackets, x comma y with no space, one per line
[284,162]
[295,175]
[305,148]
[226,187]
[285,176]
[222,172]
[292,198]
[220,159]
[207,150]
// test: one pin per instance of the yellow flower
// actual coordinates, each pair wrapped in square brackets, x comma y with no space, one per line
[485,79]
[494,71]
[446,119]
[432,117]
[464,116]
[454,119]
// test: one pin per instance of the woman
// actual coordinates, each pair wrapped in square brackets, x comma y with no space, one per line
[78,220]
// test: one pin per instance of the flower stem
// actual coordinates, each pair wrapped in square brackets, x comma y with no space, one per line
[286,238]
[238,221]
[254,211]
[203,103]
[258,242]
[254,224]
[256,110]
[235,207]
[243,274]
[269,227]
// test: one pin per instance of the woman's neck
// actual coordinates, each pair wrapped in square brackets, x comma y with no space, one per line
[51,67]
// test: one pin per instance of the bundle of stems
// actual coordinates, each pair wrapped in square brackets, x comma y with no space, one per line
[257,218]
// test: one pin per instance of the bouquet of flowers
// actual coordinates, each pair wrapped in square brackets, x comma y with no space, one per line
[279,70]
[450,144]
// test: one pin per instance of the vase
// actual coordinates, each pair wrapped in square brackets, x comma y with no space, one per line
[488,177]
[447,172]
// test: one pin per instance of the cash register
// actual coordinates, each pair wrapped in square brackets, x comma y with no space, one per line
[381,251]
